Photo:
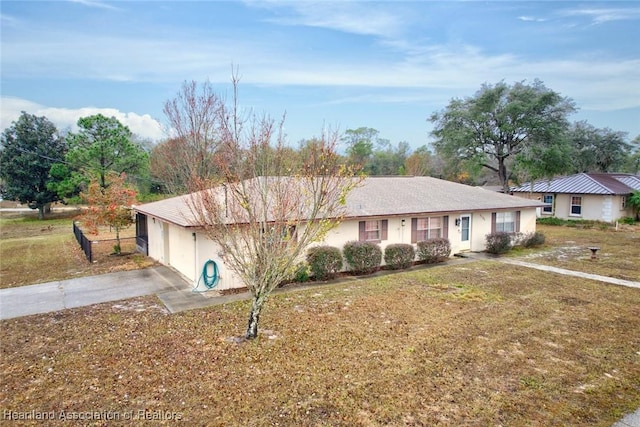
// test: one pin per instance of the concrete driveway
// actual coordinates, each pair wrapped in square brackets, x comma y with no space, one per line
[83,291]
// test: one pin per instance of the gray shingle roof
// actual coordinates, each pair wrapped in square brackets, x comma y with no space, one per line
[383,196]
[380,196]
[585,183]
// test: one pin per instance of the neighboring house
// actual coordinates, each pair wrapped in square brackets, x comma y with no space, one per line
[590,196]
[384,210]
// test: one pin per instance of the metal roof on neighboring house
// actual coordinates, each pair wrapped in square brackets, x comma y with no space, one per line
[585,183]
[382,196]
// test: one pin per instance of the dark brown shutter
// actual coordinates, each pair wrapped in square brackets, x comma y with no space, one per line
[385,228]
[517,221]
[445,227]
[362,235]
[493,222]
[414,230]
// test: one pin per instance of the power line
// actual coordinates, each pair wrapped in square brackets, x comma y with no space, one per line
[85,168]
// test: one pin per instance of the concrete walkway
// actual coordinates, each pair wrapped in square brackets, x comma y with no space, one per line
[83,291]
[631,420]
[557,270]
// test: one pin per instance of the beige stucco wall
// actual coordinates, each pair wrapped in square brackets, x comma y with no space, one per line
[397,233]
[594,207]
[187,254]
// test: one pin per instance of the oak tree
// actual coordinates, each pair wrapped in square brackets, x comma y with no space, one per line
[499,122]
[30,147]
[596,149]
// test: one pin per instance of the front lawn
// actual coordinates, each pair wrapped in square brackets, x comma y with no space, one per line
[476,344]
[35,251]
[568,247]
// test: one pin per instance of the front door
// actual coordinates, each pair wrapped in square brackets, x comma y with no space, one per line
[465,232]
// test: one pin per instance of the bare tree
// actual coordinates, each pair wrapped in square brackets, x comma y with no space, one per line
[194,117]
[263,214]
[169,165]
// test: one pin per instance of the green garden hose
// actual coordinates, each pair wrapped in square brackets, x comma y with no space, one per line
[209,280]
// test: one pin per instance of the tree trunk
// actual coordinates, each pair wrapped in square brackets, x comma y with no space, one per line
[118,249]
[41,212]
[254,318]
[502,175]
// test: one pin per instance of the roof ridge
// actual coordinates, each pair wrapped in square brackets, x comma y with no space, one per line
[588,175]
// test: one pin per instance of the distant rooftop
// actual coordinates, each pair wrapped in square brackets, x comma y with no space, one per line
[585,183]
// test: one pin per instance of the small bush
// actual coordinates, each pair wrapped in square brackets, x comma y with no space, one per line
[531,240]
[302,273]
[551,221]
[434,250]
[362,257]
[627,220]
[499,243]
[324,262]
[398,256]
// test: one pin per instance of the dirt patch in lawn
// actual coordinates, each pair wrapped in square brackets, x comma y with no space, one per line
[566,247]
[471,344]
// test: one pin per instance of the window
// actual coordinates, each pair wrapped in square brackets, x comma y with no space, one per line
[278,235]
[373,230]
[547,199]
[428,228]
[506,222]
[625,202]
[576,206]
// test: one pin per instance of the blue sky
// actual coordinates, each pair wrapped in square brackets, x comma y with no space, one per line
[341,65]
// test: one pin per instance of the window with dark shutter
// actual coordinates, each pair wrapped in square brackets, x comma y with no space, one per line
[428,228]
[373,231]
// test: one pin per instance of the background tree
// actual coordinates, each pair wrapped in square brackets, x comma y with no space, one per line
[262,216]
[30,147]
[193,117]
[168,165]
[419,163]
[389,160]
[634,203]
[101,146]
[360,145]
[544,160]
[498,122]
[632,164]
[109,205]
[598,150]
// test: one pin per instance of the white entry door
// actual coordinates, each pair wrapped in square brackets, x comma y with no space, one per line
[465,232]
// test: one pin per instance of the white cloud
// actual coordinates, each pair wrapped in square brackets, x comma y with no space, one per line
[144,125]
[9,20]
[531,19]
[349,17]
[600,16]
[95,3]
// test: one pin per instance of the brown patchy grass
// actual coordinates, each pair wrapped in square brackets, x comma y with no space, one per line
[567,247]
[472,344]
[34,251]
